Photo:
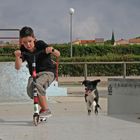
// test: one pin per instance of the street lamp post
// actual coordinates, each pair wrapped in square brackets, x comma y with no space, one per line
[71,12]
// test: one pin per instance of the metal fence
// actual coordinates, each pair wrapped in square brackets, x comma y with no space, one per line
[85,64]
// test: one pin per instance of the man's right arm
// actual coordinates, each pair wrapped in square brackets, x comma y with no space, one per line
[18,60]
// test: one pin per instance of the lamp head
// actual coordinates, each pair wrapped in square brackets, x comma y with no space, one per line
[71,11]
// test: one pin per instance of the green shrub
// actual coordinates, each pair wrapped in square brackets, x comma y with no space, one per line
[91,53]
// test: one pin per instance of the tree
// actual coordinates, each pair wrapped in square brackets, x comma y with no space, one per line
[112,38]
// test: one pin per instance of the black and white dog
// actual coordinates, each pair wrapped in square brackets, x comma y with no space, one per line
[91,95]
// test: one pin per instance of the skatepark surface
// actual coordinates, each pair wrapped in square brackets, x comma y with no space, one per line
[69,122]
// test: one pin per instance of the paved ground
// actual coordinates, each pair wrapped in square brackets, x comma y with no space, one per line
[69,122]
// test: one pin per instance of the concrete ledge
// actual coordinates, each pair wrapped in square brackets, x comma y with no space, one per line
[123,96]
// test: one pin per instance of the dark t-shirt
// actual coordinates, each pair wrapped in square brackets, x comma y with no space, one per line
[43,60]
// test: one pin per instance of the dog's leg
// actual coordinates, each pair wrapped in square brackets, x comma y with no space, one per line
[96,100]
[86,97]
[89,104]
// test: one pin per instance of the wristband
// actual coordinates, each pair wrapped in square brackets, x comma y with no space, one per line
[53,50]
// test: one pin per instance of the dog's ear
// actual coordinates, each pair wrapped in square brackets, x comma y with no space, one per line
[83,82]
[98,80]
[88,83]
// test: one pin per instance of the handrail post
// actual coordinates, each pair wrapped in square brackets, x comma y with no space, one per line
[124,70]
[85,71]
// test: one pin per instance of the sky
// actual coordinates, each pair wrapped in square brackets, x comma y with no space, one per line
[50,19]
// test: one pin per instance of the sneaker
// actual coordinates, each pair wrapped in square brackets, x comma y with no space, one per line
[45,113]
[41,110]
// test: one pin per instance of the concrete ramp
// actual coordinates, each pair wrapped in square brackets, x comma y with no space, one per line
[13,83]
[54,90]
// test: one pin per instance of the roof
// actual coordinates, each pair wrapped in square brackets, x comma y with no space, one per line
[134,40]
[83,41]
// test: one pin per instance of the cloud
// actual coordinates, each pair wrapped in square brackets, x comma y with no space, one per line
[92,18]
[86,29]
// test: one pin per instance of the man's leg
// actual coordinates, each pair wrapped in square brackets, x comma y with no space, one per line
[43,81]
[43,102]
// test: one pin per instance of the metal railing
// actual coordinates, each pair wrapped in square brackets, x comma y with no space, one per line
[87,63]
[9,37]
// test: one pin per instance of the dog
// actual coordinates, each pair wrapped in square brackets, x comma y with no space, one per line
[91,95]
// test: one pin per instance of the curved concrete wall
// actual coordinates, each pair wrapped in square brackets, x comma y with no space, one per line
[13,82]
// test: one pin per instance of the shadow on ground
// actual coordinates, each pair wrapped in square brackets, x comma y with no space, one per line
[127,117]
[16,123]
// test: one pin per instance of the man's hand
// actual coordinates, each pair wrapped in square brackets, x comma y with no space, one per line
[18,60]
[17,53]
[52,51]
[49,50]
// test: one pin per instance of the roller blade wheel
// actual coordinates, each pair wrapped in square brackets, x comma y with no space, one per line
[35,119]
